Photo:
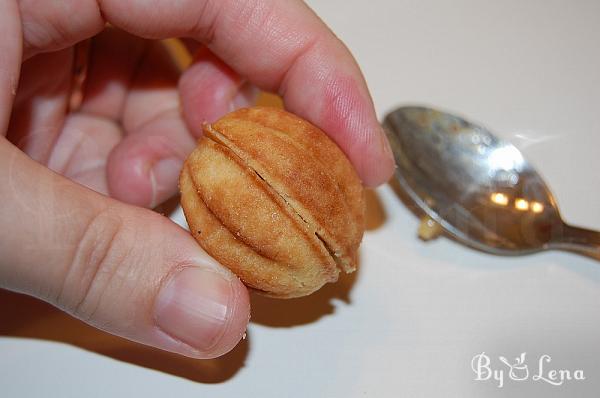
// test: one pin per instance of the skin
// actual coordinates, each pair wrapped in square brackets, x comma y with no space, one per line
[76,184]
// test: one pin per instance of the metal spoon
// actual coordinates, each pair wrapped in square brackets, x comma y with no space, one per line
[478,188]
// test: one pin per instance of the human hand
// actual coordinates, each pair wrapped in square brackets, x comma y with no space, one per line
[104,258]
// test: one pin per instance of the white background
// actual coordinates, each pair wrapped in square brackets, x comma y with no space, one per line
[409,322]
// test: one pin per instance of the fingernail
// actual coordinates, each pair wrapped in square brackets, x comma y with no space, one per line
[163,177]
[246,96]
[193,307]
[386,148]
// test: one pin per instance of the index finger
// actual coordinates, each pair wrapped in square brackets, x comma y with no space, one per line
[278,46]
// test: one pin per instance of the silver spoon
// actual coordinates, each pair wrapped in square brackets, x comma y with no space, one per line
[478,188]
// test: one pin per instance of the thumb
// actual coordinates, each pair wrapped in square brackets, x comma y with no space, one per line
[123,269]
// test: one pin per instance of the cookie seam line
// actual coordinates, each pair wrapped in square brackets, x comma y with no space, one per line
[189,171]
[215,137]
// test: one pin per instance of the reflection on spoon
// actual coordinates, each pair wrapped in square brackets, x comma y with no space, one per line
[478,188]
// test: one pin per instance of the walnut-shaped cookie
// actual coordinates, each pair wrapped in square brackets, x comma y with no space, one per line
[271,197]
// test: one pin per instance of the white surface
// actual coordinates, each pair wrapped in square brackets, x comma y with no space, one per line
[416,313]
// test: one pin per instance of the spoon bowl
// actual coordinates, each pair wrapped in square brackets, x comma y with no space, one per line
[477,187]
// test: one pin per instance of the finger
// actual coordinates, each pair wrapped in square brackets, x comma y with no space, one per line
[113,60]
[51,26]
[209,89]
[123,269]
[308,66]
[41,103]
[81,150]
[144,167]
[74,145]
[153,89]
[279,46]
[10,47]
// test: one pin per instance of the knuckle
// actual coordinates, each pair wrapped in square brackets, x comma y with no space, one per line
[95,264]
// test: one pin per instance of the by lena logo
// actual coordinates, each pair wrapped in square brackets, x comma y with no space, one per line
[519,371]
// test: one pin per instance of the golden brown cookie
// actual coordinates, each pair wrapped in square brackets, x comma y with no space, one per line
[271,197]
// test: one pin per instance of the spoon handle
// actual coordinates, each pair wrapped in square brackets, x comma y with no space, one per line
[580,240]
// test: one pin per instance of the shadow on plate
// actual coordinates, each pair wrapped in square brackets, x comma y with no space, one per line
[375,215]
[24,316]
[300,311]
